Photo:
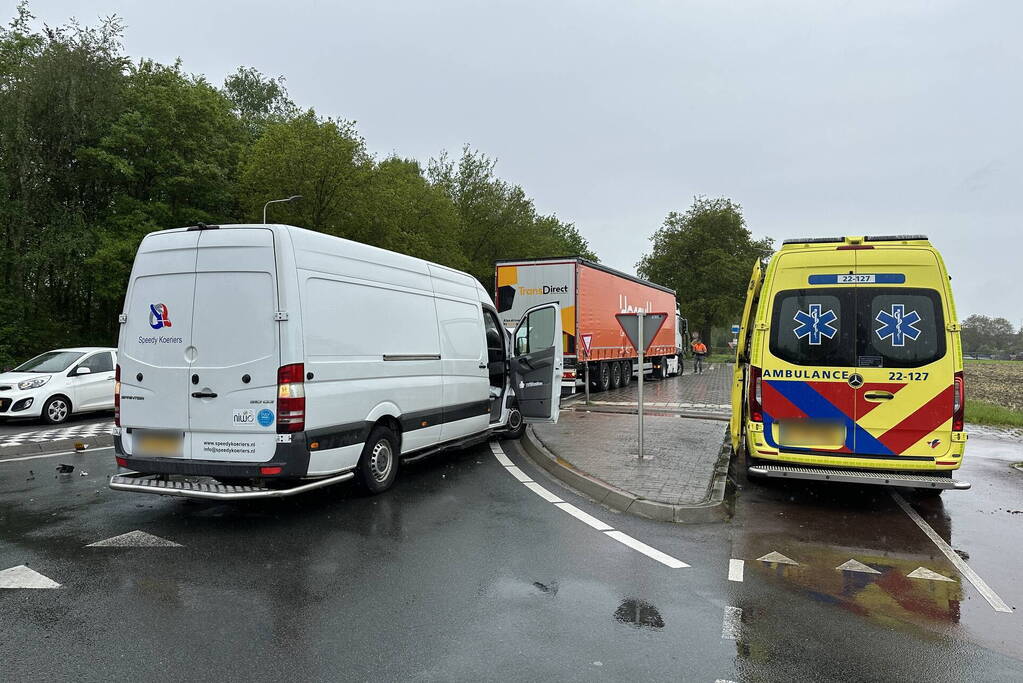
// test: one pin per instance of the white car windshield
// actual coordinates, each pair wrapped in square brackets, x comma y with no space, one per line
[51,361]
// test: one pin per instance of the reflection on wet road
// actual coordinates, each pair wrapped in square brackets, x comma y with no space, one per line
[463,572]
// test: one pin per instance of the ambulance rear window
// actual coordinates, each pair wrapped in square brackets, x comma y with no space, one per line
[814,327]
[904,327]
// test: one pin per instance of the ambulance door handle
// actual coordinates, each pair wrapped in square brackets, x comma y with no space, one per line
[879,396]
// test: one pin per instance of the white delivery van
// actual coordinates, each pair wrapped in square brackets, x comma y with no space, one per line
[266,360]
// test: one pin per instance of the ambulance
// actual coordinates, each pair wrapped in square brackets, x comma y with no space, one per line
[849,366]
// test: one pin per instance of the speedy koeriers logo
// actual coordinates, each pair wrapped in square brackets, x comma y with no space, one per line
[159,316]
[546,289]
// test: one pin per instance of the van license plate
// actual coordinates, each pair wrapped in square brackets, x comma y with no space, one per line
[160,445]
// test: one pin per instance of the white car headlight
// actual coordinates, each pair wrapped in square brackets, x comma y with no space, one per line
[34,382]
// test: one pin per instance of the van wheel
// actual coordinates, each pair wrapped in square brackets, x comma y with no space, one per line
[516,425]
[616,375]
[57,410]
[602,378]
[378,466]
[626,373]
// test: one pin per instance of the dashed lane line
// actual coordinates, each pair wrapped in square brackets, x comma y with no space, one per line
[735,569]
[731,623]
[585,517]
[996,602]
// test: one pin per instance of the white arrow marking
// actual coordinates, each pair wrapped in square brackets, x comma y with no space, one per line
[135,539]
[777,558]
[23,577]
[925,573]
[856,566]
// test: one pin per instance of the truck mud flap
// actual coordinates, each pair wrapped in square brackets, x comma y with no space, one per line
[143,483]
[920,481]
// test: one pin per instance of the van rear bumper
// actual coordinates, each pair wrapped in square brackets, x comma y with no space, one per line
[292,458]
[143,483]
[858,476]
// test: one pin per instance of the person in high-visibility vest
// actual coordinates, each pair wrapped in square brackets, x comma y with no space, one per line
[699,352]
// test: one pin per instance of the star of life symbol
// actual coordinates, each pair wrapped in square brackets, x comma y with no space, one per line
[898,325]
[815,324]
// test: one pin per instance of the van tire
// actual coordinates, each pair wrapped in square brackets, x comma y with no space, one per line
[626,373]
[56,410]
[378,465]
[616,375]
[602,378]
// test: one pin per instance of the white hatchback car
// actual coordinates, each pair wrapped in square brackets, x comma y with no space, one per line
[56,384]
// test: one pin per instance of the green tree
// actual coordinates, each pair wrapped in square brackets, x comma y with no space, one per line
[981,334]
[705,254]
[258,100]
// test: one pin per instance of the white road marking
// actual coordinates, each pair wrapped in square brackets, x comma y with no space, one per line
[518,474]
[652,553]
[54,455]
[731,623]
[23,577]
[735,568]
[542,492]
[584,517]
[996,602]
[134,539]
[856,566]
[777,558]
[925,573]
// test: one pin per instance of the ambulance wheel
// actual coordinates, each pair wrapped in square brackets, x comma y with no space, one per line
[602,378]
[378,466]
[626,373]
[616,375]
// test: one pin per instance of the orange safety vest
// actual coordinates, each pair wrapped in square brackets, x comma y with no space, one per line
[699,347]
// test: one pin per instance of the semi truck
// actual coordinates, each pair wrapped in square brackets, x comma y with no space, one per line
[589,295]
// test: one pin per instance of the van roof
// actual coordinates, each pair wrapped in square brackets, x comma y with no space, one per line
[885,240]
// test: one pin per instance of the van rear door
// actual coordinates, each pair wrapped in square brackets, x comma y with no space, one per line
[234,347]
[904,354]
[538,363]
[156,330]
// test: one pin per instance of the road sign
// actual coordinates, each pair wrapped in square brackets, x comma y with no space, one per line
[652,324]
[587,340]
[735,329]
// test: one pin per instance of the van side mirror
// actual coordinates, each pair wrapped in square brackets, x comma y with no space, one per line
[521,346]
[82,370]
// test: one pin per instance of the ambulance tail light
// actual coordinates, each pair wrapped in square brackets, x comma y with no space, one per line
[291,398]
[755,395]
[117,395]
[958,402]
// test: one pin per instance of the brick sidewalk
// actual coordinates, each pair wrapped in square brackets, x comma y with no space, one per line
[709,391]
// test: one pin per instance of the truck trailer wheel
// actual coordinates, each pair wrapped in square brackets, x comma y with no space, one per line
[626,372]
[616,375]
[602,377]
[378,466]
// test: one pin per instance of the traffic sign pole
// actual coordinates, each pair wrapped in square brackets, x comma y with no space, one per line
[639,348]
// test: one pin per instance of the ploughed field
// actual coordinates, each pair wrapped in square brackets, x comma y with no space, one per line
[998,382]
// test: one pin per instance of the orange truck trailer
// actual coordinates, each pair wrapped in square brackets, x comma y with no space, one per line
[590,295]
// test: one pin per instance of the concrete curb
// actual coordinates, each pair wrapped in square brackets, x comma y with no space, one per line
[712,509]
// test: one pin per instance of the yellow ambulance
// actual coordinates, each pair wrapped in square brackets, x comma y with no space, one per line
[849,365]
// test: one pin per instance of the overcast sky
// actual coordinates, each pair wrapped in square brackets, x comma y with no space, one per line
[818,117]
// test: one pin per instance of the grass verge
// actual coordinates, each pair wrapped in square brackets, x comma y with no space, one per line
[986,413]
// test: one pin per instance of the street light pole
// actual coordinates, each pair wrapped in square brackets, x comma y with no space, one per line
[275,201]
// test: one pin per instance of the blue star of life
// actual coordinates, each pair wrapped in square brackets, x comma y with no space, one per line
[898,325]
[815,325]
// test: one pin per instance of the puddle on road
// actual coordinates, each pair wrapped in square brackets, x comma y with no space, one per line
[639,614]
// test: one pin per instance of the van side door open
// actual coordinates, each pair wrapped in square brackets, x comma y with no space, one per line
[537,363]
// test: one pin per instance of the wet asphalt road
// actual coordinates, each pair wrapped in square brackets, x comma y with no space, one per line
[462,573]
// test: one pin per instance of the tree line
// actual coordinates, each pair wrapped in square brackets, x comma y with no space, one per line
[98,149]
[995,337]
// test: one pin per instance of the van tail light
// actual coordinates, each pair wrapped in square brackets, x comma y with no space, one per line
[291,398]
[958,402]
[755,395]
[117,395]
